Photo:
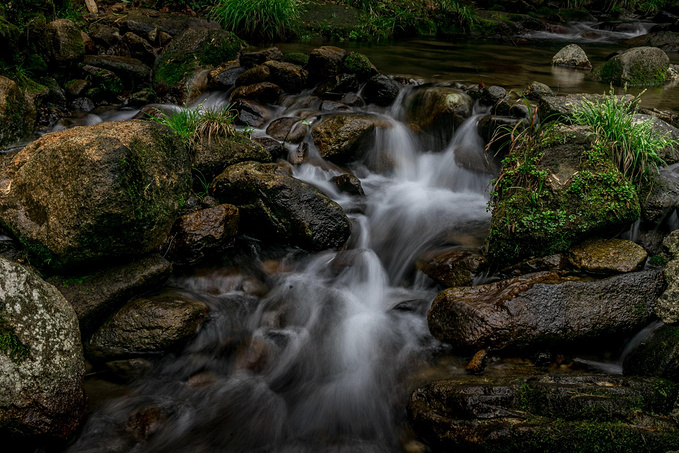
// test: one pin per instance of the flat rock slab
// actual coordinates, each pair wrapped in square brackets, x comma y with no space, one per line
[607,256]
[97,295]
[557,413]
[543,308]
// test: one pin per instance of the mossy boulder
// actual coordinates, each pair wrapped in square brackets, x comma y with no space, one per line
[274,205]
[95,193]
[357,63]
[639,66]
[554,413]
[556,190]
[17,114]
[41,359]
[190,51]
[64,42]
[211,156]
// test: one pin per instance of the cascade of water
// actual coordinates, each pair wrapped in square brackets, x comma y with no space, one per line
[320,362]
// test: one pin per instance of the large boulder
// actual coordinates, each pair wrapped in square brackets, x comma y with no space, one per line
[95,295]
[436,112]
[573,56]
[554,413]
[637,66]
[667,307]
[190,51]
[95,193]
[543,308]
[149,325]
[17,114]
[275,205]
[211,155]
[41,359]
[64,43]
[555,192]
[656,355]
[346,136]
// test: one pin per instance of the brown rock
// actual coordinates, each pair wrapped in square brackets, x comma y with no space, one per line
[264,92]
[607,256]
[288,129]
[454,267]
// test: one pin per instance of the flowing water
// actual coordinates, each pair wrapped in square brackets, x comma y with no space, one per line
[321,354]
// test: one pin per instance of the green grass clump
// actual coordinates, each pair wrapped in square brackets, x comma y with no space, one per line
[258,19]
[634,146]
[198,125]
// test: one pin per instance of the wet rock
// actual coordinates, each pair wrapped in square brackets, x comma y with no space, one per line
[252,59]
[299,155]
[670,154]
[359,64]
[665,40]
[352,100]
[454,267]
[380,90]
[202,233]
[41,360]
[607,256]
[97,294]
[520,110]
[212,155]
[335,87]
[17,115]
[187,53]
[290,77]
[348,183]
[95,193]
[561,107]
[106,85]
[573,201]
[131,71]
[498,98]
[332,106]
[258,74]
[128,370]
[478,363]
[554,263]
[224,77]
[275,205]
[667,307]
[143,97]
[639,66]
[76,87]
[298,58]
[64,43]
[536,90]
[542,308]
[573,56]
[288,129]
[82,104]
[251,113]
[274,147]
[148,325]
[493,129]
[661,198]
[325,61]
[345,136]
[105,35]
[656,355]
[554,413]
[436,112]
[263,92]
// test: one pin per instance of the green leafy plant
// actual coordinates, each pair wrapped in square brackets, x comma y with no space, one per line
[258,19]
[633,145]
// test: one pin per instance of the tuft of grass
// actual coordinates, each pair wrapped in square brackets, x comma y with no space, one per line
[199,125]
[633,146]
[258,19]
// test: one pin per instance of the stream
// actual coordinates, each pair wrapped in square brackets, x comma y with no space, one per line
[307,353]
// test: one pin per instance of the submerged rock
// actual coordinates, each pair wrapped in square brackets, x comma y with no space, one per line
[346,136]
[274,205]
[149,325]
[97,294]
[607,256]
[572,55]
[41,359]
[95,193]
[555,413]
[656,355]
[637,66]
[543,308]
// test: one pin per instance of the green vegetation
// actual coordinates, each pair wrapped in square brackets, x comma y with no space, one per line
[631,144]
[197,125]
[258,19]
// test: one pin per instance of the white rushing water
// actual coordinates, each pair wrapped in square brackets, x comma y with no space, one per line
[321,362]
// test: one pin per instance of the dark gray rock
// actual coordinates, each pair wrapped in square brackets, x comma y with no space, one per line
[656,355]
[380,90]
[542,308]
[251,113]
[252,59]
[667,307]
[288,129]
[290,77]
